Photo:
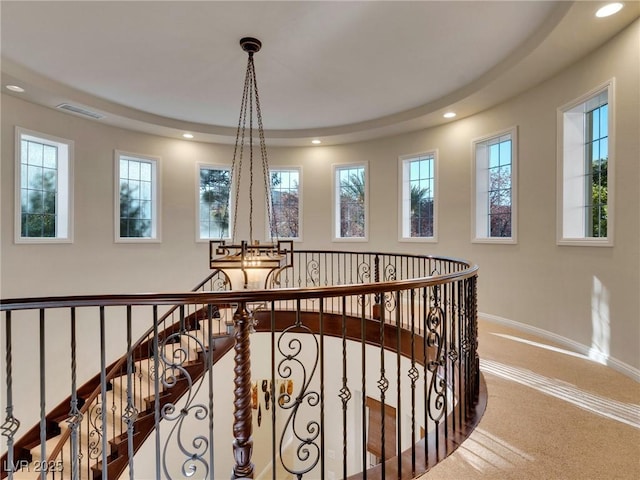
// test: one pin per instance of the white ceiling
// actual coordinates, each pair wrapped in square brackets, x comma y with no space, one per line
[341,71]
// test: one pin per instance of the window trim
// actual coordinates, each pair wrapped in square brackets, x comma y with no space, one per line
[199,166]
[156,216]
[584,241]
[281,168]
[401,194]
[335,202]
[513,239]
[56,141]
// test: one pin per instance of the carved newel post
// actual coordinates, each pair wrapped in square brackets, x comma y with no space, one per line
[242,428]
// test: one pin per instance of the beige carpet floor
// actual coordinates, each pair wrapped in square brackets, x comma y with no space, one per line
[551,414]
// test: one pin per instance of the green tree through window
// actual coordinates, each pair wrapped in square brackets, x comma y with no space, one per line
[352,202]
[285,202]
[39,163]
[597,161]
[215,185]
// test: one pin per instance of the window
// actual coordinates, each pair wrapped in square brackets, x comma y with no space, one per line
[285,203]
[350,202]
[417,203]
[137,217]
[585,170]
[214,202]
[494,195]
[44,193]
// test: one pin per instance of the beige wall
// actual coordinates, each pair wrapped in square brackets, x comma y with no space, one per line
[534,282]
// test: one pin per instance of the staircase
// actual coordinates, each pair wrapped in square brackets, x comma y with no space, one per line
[181,360]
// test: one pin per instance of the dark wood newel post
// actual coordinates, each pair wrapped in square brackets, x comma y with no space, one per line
[242,428]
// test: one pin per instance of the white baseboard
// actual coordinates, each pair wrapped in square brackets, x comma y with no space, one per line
[577,347]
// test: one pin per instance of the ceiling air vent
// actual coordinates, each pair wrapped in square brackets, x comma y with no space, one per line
[79,111]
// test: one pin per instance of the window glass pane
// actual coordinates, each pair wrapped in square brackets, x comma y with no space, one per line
[124,168]
[136,198]
[351,202]
[24,151]
[134,170]
[145,171]
[50,159]
[145,190]
[418,220]
[36,204]
[50,202]
[285,204]
[493,187]
[215,185]
[35,177]
[35,153]
[48,226]
[494,155]
[505,152]
[596,195]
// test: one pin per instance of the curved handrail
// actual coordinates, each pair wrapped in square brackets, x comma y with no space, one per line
[236,296]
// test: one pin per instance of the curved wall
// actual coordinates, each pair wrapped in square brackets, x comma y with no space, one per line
[561,290]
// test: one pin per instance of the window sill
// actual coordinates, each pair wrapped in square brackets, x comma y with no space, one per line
[585,242]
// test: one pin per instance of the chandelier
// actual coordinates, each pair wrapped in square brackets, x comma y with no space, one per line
[250,264]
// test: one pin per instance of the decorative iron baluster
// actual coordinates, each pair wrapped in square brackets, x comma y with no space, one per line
[425,370]
[345,393]
[383,385]
[437,384]
[211,346]
[398,384]
[174,363]
[156,387]
[11,424]
[103,394]
[130,413]
[307,451]
[43,396]
[313,273]
[75,417]
[413,375]
[363,363]
[322,425]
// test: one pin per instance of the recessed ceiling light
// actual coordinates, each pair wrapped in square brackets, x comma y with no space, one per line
[316,142]
[609,9]
[15,88]
[449,115]
[187,135]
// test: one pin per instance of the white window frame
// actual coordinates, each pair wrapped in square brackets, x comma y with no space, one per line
[209,166]
[268,227]
[404,204]
[571,167]
[155,197]
[480,229]
[336,201]
[64,190]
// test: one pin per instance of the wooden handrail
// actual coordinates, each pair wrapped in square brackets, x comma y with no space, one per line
[235,296]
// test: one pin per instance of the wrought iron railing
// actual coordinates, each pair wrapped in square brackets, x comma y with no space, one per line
[364,365]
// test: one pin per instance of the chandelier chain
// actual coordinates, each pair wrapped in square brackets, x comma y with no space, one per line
[236,164]
[273,226]
[251,90]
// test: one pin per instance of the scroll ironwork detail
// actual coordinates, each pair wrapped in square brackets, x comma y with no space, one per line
[306,436]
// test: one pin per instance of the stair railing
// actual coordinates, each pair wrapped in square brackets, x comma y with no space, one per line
[421,308]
